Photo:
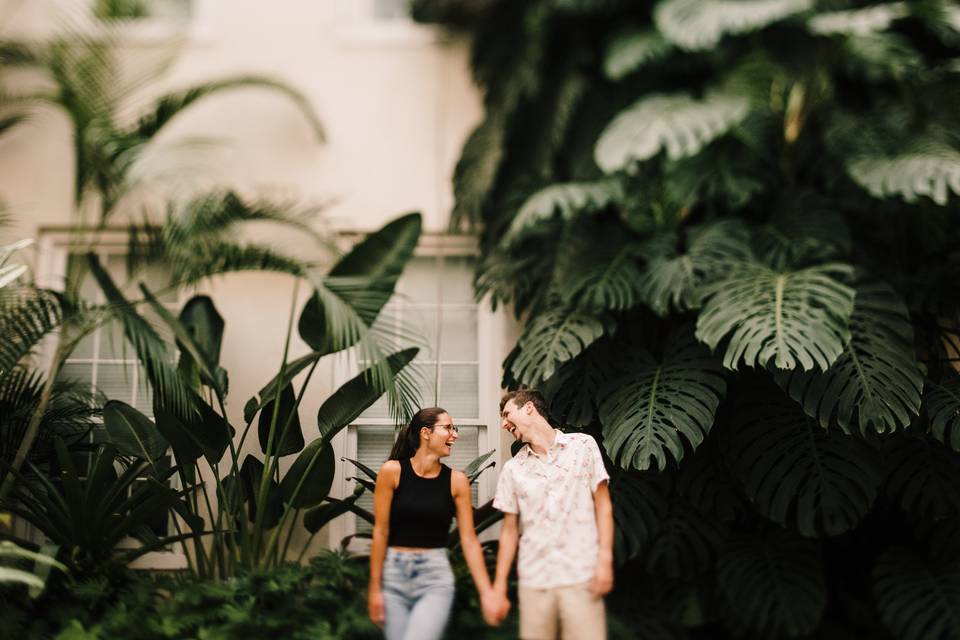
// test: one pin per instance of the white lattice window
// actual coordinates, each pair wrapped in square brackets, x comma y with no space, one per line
[456,368]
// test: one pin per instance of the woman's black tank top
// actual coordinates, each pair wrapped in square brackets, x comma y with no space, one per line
[422,509]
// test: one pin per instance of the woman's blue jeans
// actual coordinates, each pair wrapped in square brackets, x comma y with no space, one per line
[417,594]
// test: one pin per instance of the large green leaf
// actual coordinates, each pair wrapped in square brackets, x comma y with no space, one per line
[654,407]
[282,379]
[819,481]
[709,486]
[875,384]
[316,518]
[688,542]
[202,432]
[310,477]
[941,402]
[917,599]
[923,476]
[677,123]
[552,338]
[632,50]
[787,319]
[287,432]
[251,473]
[672,279]
[574,390]
[357,395]
[700,24]
[605,279]
[639,506]
[133,433]
[859,22]
[205,325]
[774,583]
[930,169]
[350,297]
[569,200]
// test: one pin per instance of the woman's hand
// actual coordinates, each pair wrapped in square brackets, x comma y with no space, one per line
[495,607]
[375,606]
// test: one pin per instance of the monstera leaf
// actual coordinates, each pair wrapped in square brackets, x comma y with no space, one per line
[942,405]
[552,338]
[917,599]
[819,481]
[639,505]
[677,123]
[700,24]
[687,544]
[573,390]
[931,169]
[568,200]
[788,319]
[858,22]
[651,408]
[606,280]
[708,485]
[774,583]
[923,476]
[633,49]
[672,279]
[875,384]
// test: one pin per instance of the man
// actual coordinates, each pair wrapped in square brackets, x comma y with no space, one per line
[557,488]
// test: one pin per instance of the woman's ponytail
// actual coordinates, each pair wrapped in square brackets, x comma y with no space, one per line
[408,440]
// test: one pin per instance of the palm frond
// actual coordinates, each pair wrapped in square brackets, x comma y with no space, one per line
[568,200]
[152,351]
[552,338]
[477,170]
[654,408]
[858,22]
[192,263]
[787,319]
[676,123]
[170,105]
[879,57]
[632,50]
[27,315]
[875,384]
[774,583]
[931,169]
[941,403]
[700,24]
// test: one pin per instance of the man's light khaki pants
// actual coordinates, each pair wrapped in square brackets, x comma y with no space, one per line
[566,613]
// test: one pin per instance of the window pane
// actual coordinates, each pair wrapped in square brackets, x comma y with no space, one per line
[116,381]
[390,9]
[459,390]
[420,283]
[76,372]
[458,334]
[457,282]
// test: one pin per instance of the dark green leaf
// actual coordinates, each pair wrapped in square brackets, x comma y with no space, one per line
[287,435]
[133,433]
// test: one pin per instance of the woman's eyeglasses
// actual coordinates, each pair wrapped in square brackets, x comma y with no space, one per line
[452,428]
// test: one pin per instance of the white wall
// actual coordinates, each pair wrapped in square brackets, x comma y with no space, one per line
[396,100]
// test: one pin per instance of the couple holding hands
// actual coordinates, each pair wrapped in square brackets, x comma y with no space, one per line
[555,489]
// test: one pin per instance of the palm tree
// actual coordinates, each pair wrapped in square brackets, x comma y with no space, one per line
[83,71]
[731,229]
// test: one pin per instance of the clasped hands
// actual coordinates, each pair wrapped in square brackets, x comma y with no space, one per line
[495,606]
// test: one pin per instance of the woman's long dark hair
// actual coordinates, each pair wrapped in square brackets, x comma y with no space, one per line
[409,439]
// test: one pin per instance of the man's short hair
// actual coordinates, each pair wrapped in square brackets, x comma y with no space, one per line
[521,397]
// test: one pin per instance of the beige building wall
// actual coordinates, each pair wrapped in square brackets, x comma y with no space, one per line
[396,100]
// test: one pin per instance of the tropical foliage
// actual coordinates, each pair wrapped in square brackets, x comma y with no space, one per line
[731,230]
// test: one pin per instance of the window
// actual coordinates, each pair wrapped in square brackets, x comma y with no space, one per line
[456,369]
[391,9]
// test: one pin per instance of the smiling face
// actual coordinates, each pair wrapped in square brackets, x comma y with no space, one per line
[441,437]
[515,420]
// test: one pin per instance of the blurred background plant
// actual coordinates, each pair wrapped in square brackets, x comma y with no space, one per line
[730,231]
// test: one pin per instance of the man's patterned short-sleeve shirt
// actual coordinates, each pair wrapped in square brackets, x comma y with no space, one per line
[553,493]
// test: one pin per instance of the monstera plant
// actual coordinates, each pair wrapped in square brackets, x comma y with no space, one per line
[731,231]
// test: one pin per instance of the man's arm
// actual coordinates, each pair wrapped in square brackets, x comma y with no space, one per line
[603,511]
[506,551]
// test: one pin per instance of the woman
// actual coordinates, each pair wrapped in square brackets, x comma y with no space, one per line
[411,583]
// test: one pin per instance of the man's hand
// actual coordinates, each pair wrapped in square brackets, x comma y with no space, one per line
[602,582]
[375,606]
[495,607]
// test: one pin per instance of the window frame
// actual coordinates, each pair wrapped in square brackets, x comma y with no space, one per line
[490,341]
[53,250]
